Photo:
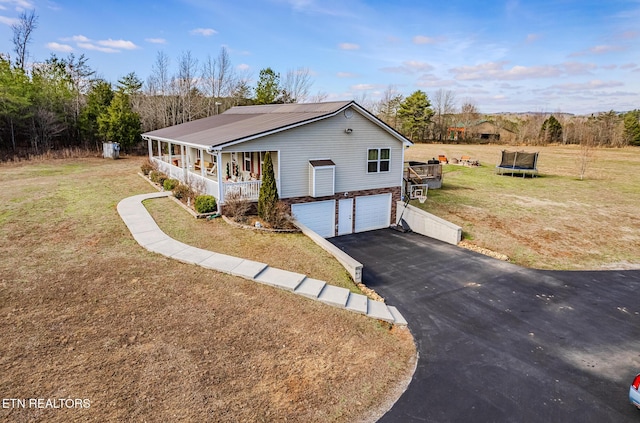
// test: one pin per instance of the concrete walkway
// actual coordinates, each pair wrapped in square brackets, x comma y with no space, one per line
[148,234]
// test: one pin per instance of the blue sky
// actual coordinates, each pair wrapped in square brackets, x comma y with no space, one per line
[579,56]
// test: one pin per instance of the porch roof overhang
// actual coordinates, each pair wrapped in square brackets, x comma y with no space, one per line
[246,123]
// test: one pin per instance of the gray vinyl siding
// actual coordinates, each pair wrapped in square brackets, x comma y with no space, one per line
[327,139]
[323,183]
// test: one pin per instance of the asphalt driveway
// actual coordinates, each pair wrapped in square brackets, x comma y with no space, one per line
[501,343]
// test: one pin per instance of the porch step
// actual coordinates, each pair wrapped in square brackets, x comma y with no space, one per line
[357,302]
[280,278]
[379,310]
[310,288]
[334,295]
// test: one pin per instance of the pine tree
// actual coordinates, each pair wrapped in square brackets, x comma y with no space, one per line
[268,198]
[551,130]
[119,123]
[415,112]
[632,127]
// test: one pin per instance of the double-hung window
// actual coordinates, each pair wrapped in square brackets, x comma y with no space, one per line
[247,161]
[378,160]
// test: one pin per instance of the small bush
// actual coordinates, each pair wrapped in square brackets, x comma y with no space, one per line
[279,218]
[161,178]
[205,204]
[158,177]
[147,167]
[170,184]
[235,206]
[183,192]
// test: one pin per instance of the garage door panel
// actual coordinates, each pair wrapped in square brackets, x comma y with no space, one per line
[319,216]
[373,212]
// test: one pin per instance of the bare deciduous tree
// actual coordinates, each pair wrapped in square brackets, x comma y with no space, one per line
[469,115]
[27,23]
[296,85]
[388,106]
[186,85]
[444,106]
[217,80]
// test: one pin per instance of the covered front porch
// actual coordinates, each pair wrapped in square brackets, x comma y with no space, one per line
[213,172]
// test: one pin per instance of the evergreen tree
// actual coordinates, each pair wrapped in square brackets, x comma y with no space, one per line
[268,88]
[632,127]
[415,112]
[119,123]
[551,130]
[14,101]
[98,101]
[268,197]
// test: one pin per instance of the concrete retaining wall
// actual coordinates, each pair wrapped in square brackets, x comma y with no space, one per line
[353,267]
[429,225]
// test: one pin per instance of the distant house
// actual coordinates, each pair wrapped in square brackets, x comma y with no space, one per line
[483,130]
[336,165]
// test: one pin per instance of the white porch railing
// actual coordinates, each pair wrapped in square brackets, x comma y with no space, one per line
[210,186]
[249,190]
[172,171]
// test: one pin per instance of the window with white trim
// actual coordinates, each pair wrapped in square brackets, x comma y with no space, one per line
[247,161]
[378,160]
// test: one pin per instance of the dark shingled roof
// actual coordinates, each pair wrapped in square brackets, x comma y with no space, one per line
[320,163]
[245,122]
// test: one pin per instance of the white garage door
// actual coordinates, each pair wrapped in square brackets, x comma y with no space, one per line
[319,216]
[373,212]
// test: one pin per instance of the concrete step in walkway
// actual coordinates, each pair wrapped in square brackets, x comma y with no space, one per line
[148,234]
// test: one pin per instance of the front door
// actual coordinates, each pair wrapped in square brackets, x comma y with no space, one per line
[345,216]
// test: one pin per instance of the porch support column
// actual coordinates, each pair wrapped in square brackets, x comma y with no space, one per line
[220,186]
[203,168]
[170,150]
[150,148]
[278,178]
[159,151]
[185,164]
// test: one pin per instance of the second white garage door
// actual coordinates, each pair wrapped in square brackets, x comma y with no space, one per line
[319,216]
[373,212]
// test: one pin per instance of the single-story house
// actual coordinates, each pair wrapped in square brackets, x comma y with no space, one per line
[337,166]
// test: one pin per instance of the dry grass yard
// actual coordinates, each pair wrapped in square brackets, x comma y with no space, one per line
[555,221]
[88,314]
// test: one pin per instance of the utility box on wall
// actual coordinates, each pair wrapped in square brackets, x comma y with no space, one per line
[111,150]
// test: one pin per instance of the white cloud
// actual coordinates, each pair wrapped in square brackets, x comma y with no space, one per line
[496,71]
[156,40]
[595,84]
[19,5]
[91,46]
[206,32]
[409,67]
[577,68]
[77,39]
[349,46]
[365,87]
[243,67]
[8,21]
[118,44]
[604,49]
[346,75]
[105,46]
[63,48]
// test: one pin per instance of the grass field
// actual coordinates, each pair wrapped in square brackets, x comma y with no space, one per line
[89,314]
[554,221]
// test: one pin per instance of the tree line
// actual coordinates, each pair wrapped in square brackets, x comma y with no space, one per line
[61,103]
[422,119]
